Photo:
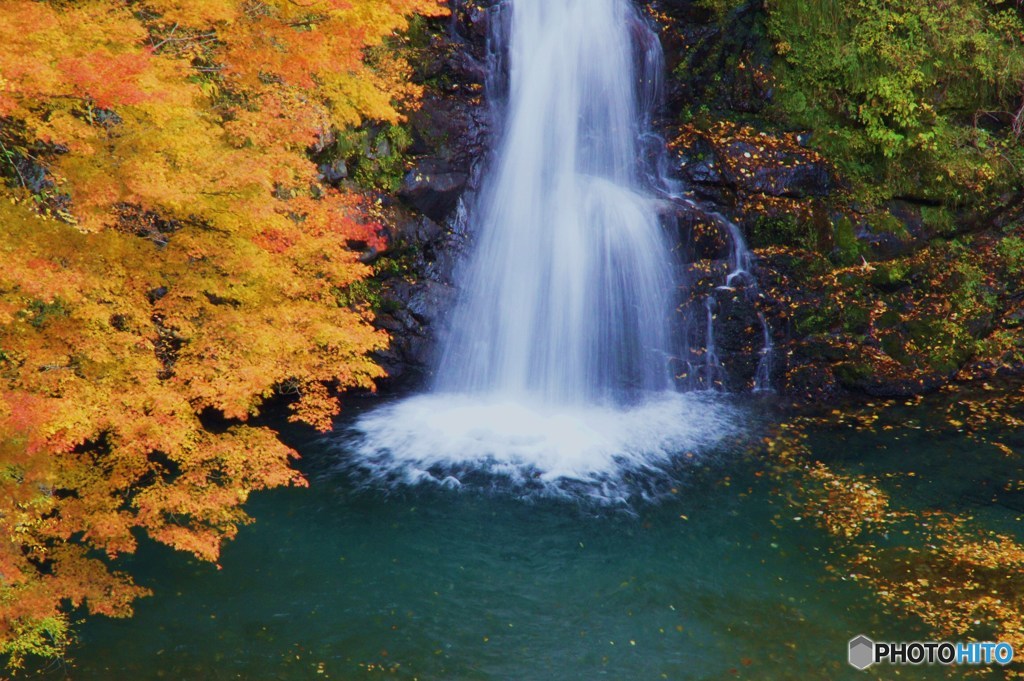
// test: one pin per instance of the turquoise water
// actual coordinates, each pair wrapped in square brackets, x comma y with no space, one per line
[717,581]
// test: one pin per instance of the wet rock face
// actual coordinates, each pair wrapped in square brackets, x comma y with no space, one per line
[810,382]
[842,316]
[452,127]
[414,326]
[471,20]
[739,174]
[737,313]
[433,188]
[793,173]
[451,130]
[885,299]
[451,134]
[701,235]
[739,336]
[747,165]
[416,301]
[905,233]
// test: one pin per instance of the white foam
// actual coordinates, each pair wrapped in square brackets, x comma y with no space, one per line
[444,437]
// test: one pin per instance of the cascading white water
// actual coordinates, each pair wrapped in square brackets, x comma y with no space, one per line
[569,292]
[558,365]
[763,375]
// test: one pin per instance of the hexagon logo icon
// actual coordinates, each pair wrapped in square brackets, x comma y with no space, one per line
[862,652]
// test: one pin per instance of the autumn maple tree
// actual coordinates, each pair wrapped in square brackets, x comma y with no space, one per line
[170,255]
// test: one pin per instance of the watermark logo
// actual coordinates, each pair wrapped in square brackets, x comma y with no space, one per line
[864,652]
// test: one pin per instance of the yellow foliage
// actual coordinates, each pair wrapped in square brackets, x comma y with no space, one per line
[185,262]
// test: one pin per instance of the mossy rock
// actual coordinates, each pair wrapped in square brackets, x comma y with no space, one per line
[847,248]
[891,276]
[856,319]
[854,374]
[778,230]
[890,319]
[895,345]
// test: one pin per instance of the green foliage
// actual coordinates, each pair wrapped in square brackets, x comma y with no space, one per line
[812,322]
[945,344]
[1012,251]
[908,97]
[887,223]
[8,167]
[939,219]
[384,165]
[374,155]
[358,294]
[890,275]
[970,293]
[418,35]
[847,247]
[40,312]
[780,230]
[720,8]
[370,293]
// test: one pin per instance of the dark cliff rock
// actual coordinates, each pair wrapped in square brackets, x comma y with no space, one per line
[738,166]
[701,234]
[433,188]
[451,136]
[715,64]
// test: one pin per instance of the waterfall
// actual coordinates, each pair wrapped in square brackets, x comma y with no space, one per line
[714,373]
[740,262]
[568,297]
[740,258]
[557,370]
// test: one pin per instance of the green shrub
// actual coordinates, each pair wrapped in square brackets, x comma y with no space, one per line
[908,97]
[847,247]
[939,219]
[1011,249]
[778,230]
[720,8]
[375,156]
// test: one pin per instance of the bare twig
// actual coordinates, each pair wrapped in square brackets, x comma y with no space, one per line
[198,39]
[10,157]
[158,45]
